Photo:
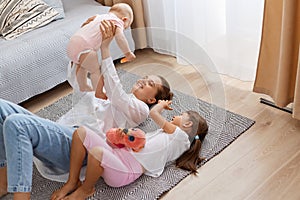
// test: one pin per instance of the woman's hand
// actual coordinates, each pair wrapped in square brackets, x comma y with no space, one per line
[108,30]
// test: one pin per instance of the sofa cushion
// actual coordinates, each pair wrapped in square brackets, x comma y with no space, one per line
[20,16]
[58,6]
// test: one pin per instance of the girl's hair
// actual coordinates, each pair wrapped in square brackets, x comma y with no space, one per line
[163,92]
[190,159]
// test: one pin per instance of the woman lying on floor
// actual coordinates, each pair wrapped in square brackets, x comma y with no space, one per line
[178,140]
[24,136]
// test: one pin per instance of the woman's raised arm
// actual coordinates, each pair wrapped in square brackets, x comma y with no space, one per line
[108,31]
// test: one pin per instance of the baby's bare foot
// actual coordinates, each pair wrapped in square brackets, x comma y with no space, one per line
[81,194]
[101,96]
[65,190]
[85,88]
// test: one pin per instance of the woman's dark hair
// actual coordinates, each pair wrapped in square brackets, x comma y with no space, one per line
[190,159]
[163,92]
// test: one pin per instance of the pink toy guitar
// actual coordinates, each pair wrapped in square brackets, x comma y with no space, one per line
[133,138]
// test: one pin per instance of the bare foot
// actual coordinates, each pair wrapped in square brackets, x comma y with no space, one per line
[81,194]
[85,88]
[65,190]
[101,96]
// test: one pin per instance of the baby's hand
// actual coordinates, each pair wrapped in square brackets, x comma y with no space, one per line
[166,104]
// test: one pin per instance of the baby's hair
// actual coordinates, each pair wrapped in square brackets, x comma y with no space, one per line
[124,9]
[163,92]
[190,159]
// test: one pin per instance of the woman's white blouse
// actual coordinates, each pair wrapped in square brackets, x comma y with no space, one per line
[120,110]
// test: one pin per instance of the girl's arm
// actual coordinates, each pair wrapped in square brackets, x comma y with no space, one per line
[155,114]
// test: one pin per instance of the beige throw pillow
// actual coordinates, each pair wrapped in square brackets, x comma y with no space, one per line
[20,16]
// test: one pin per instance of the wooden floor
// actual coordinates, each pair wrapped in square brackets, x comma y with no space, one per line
[263,163]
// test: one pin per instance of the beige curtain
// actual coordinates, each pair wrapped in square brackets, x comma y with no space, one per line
[138,25]
[278,70]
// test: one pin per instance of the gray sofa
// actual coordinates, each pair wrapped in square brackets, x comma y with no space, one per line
[36,61]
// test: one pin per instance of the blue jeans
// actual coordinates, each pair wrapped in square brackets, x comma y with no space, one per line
[24,135]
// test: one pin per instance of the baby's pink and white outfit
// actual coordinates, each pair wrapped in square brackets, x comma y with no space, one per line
[89,37]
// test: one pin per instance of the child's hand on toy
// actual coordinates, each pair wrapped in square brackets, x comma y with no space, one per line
[166,104]
[128,57]
[120,133]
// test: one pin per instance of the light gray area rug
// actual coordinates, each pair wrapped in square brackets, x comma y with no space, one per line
[224,128]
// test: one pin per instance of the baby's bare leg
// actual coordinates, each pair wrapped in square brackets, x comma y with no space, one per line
[89,62]
[99,90]
[81,76]
[77,156]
